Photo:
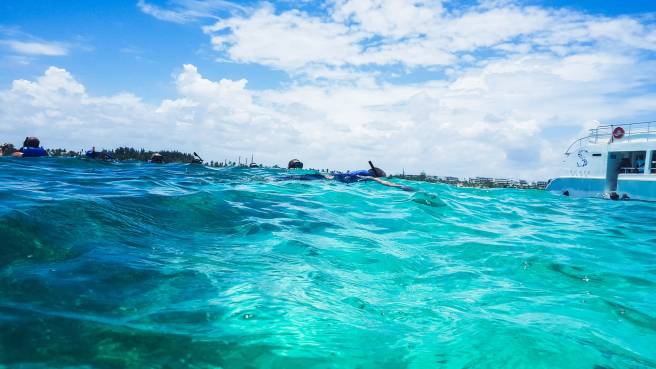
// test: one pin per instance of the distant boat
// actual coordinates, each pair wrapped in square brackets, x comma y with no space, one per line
[616,161]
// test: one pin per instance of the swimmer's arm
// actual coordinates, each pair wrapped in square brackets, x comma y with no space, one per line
[390,184]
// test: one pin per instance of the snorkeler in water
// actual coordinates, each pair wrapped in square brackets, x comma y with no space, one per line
[374,174]
[9,150]
[295,164]
[196,159]
[98,155]
[31,148]
[156,158]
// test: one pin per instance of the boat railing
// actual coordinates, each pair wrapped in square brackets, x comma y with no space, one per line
[632,131]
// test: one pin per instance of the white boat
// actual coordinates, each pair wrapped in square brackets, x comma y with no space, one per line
[615,161]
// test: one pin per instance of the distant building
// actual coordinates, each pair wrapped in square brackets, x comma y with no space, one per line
[502,182]
[481,180]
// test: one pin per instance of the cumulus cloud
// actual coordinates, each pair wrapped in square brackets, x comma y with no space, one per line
[415,34]
[57,107]
[287,41]
[505,88]
[453,127]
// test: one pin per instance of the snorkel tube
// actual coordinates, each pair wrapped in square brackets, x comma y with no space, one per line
[197,159]
[376,172]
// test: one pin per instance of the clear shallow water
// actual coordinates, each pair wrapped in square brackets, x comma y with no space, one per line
[176,266]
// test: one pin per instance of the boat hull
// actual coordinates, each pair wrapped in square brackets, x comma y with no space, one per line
[579,187]
[638,188]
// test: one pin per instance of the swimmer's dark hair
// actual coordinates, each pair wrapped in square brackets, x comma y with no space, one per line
[7,149]
[31,142]
[295,164]
[376,172]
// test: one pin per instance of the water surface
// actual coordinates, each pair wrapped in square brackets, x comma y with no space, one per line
[178,266]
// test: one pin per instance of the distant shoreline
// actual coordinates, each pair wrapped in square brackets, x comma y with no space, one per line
[174,156]
[477,182]
[170,156]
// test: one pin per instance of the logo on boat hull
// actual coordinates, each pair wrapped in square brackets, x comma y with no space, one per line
[582,160]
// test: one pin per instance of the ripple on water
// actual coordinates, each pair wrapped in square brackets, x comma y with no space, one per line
[132,265]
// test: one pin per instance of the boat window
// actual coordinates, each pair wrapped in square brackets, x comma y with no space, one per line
[653,161]
[632,161]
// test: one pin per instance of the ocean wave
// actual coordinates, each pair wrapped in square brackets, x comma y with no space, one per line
[141,265]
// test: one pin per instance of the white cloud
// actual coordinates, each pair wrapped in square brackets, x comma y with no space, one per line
[395,18]
[441,127]
[185,11]
[625,30]
[55,87]
[163,14]
[366,33]
[476,29]
[287,41]
[590,67]
[225,92]
[36,47]
[502,83]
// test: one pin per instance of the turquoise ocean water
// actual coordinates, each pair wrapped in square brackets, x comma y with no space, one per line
[135,265]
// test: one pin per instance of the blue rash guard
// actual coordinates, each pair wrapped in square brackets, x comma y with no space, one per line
[33,152]
[351,177]
[303,177]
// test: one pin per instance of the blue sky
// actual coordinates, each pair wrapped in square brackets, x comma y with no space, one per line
[513,79]
[114,43]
